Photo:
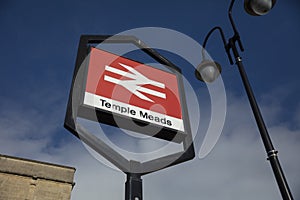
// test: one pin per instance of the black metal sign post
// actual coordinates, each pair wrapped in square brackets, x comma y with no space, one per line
[133,169]
[134,187]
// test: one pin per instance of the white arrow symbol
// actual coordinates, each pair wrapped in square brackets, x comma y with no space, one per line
[135,85]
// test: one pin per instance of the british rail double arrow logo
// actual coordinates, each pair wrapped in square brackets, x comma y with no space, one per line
[135,82]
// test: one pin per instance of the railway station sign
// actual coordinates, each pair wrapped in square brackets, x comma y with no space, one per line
[126,88]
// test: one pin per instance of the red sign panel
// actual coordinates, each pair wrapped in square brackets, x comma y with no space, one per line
[126,87]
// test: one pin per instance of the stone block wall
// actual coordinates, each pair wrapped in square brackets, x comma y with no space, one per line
[23,179]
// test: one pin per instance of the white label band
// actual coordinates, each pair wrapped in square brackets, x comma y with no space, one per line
[133,111]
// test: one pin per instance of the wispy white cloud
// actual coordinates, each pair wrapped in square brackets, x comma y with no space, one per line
[29,126]
[236,168]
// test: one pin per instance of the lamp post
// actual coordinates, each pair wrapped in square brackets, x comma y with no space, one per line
[208,71]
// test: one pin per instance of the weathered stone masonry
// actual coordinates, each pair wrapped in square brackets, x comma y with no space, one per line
[22,179]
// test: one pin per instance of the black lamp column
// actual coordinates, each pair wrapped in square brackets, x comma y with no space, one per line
[271,152]
[231,46]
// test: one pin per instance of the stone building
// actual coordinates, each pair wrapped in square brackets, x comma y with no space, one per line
[23,179]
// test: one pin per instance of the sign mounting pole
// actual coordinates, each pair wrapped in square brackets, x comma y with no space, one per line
[133,187]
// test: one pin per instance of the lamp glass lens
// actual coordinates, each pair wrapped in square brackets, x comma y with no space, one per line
[209,73]
[261,7]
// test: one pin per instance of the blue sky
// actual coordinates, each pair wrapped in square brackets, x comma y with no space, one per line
[39,42]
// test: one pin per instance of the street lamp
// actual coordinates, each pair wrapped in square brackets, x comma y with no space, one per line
[208,71]
[258,7]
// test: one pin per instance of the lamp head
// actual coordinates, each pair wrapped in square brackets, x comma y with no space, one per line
[258,7]
[208,71]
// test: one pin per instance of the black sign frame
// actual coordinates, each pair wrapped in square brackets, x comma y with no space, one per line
[75,109]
